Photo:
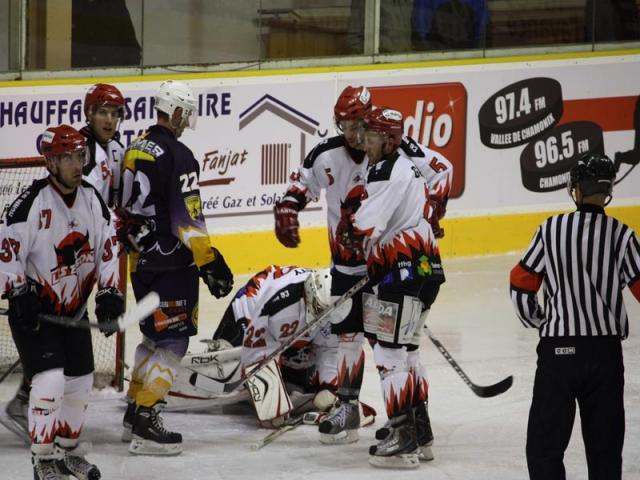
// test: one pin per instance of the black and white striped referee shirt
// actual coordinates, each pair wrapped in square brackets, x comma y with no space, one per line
[585,260]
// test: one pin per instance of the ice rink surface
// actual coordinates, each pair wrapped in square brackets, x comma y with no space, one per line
[475,438]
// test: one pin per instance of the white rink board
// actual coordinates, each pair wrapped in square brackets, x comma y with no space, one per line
[264,125]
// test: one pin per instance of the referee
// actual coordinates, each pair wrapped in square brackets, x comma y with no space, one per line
[585,259]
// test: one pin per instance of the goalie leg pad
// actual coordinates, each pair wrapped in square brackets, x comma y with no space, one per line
[269,395]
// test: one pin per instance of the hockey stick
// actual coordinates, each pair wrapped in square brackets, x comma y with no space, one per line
[484,392]
[209,384]
[290,425]
[139,312]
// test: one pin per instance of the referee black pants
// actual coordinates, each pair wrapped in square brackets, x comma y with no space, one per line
[588,370]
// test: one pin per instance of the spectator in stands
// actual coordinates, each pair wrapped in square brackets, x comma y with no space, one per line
[611,20]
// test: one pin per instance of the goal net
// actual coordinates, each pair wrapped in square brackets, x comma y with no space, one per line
[16,175]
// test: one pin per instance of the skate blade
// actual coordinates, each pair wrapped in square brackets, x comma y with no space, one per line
[127,434]
[16,428]
[140,446]
[404,461]
[341,438]
[425,454]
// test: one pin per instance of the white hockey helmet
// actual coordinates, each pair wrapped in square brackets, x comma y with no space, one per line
[317,291]
[173,94]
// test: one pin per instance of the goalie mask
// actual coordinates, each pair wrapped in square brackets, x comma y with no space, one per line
[317,291]
[172,95]
[595,174]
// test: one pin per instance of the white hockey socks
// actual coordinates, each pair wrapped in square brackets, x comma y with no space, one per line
[350,365]
[45,399]
[397,380]
[419,371]
[74,407]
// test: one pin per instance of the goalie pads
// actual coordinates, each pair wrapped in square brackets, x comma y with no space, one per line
[269,395]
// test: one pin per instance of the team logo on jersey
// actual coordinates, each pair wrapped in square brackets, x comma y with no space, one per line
[72,252]
[194,207]
[424,267]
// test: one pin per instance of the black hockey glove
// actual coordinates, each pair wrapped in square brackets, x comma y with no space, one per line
[135,232]
[24,308]
[217,276]
[109,306]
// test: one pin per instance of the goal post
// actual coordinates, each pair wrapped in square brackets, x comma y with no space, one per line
[16,175]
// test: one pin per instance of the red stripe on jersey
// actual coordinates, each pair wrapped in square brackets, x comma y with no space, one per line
[525,280]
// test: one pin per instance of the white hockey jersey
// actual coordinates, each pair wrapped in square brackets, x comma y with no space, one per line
[104,165]
[434,167]
[331,166]
[399,240]
[60,242]
[272,305]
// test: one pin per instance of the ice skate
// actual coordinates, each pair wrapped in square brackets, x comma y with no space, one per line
[127,420]
[149,435]
[73,463]
[46,468]
[399,449]
[341,425]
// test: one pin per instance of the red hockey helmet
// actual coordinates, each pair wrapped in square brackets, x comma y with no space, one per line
[353,104]
[103,94]
[386,121]
[61,140]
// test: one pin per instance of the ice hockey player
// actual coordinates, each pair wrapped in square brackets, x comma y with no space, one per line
[160,189]
[403,262]
[266,314]
[104,110]
[60,237]
[336,165]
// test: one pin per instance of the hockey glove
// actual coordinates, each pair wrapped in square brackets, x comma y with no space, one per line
[347,238]
[109,306]
[24,308]
[287,225]
[217,276]
[437,210]
[135,232]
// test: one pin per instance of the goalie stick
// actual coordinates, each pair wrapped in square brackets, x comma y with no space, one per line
[210,384]
[139,312]
[308,418]
[481,391]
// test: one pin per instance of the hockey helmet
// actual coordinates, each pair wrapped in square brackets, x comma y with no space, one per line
[103,94]
[353,104]
[595,173]
[173,94]
[62,140]
[317,291]
[387,122]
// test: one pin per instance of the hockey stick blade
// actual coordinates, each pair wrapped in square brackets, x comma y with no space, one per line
[481,391]
[290,425]
[493,390]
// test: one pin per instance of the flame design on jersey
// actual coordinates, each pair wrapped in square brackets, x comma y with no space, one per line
[410,244]
[341,254]
[66,302]
[398,401]
[253,285]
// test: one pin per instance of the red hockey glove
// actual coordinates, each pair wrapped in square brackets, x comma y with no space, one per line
[135,232]
[437,210]
[286,214]
[346,237]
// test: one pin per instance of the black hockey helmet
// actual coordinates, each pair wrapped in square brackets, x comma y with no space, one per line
[595,173]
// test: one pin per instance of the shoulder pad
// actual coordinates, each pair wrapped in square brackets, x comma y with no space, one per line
[105,210]
[382,170]
[21,206]
[289,295]
[324,146]
[411,148]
